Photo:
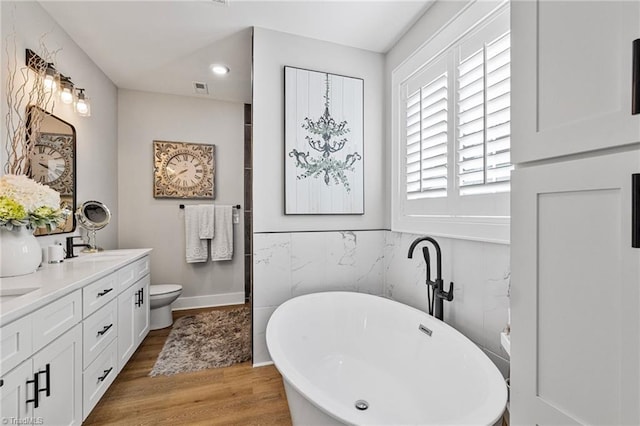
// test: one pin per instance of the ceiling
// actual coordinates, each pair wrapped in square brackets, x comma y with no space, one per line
[165,46]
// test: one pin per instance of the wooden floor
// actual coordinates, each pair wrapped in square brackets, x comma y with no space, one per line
[236,395]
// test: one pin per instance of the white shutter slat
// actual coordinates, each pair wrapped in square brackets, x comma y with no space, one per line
[471,114]
[471,102]
[437,139]
[470,153]
[472,139]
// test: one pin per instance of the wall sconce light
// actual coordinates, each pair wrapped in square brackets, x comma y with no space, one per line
[51,78]
[82,105]
[66,90]
[53,81]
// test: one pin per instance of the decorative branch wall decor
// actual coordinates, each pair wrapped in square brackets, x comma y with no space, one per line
[23,90]
[324,158]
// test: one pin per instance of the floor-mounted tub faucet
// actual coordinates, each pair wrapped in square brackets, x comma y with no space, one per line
[435,289]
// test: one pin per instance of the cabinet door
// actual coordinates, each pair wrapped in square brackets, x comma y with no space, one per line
[142,310]
[14,393]
[126,326]
[60,389]
[571,77]
[575,298]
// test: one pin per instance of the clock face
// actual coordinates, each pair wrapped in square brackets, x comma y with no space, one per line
[183,170]
[48,164]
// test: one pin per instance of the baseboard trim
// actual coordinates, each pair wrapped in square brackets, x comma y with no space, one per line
[207,301]
[262,364]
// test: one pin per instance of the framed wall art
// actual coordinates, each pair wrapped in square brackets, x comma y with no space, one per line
[324,144]
[183,170]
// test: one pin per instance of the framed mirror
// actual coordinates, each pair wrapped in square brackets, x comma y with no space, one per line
[52,160]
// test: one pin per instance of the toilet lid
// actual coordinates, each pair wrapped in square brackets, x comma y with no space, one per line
[164,289]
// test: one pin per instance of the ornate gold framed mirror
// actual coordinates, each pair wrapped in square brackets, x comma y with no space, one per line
[52,161]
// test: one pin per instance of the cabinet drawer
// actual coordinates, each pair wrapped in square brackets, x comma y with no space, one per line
[133,272]
[15,343]
[98,331]
[54,319]
[99,293]
[142,267]
[98,377]
[126,276]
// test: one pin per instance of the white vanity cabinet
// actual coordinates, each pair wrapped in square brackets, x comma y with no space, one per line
[59,345]
[48,382]
[47,386]
[118,311]
[133,319]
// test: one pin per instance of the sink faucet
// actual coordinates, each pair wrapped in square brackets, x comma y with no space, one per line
[70,246]
[435,291]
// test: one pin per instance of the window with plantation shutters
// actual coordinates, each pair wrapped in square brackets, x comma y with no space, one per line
[483,119]
[426,140]
[451,121]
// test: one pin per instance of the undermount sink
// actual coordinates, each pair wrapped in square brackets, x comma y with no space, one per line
[98,257]
[7,294]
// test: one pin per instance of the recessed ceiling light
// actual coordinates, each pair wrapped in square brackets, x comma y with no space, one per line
[219,69]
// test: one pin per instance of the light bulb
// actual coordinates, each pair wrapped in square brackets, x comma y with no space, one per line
[66,96]
[50,80]
[82,105]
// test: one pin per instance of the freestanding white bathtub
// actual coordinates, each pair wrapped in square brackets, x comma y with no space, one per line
[336,350]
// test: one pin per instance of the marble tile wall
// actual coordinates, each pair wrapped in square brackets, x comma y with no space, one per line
[481,273]
[291,264]
[287,265]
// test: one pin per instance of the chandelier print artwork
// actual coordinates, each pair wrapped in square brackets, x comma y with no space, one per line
[324,143]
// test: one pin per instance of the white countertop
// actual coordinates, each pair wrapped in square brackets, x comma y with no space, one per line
[26,293]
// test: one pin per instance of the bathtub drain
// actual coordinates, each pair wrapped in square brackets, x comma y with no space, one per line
[362,405]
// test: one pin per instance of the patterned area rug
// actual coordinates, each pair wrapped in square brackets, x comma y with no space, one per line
[206,340]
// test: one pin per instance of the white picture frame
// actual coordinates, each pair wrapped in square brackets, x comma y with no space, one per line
[324,143]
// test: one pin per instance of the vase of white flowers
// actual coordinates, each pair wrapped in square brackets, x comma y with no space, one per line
[24,206]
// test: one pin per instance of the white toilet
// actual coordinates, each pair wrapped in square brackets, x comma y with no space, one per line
[162,296]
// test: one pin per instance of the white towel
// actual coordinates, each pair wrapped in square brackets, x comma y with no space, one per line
[196,248]
[222,243]
[206,214]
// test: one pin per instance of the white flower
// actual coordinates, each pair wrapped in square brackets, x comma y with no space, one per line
[29,193]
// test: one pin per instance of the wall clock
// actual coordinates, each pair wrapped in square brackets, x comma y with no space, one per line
[183,170]
[52,161]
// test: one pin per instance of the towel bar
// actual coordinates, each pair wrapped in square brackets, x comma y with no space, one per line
[237,206]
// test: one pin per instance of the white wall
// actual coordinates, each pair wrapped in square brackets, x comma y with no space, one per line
[271,52]
[159,223]
[96,168]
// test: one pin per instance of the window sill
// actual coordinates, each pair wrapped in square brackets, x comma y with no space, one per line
[476,228]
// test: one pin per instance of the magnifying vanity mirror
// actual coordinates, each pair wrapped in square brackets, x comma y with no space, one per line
[93,216]
[52,162]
